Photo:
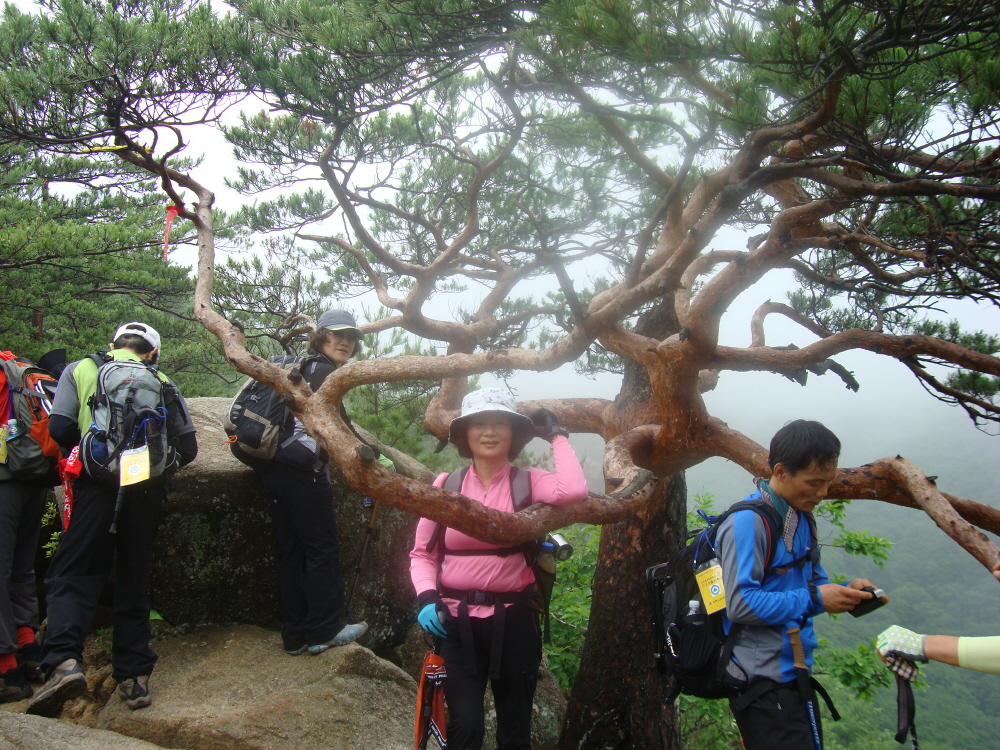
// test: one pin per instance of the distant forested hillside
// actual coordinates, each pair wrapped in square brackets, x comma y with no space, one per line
[935,587]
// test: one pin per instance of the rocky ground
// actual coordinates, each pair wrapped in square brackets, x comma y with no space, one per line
[222,687]
[232,688]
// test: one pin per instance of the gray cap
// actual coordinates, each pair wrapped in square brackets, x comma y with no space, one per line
[339,320]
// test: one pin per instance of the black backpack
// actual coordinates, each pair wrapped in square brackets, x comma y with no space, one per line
[694,648]
[257,417]
[520,492]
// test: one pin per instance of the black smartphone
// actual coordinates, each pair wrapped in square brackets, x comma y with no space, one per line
[868,605]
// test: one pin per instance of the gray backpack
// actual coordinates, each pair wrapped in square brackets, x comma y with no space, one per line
[129,410]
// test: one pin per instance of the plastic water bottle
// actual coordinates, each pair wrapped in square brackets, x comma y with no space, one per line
[546,558]
[12,429]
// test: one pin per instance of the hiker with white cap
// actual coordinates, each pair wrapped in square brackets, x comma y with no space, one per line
[101,537]
[300,498]
[477,599]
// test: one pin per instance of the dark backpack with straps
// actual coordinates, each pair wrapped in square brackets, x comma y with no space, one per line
[520,492]
[694,648]
[257,418]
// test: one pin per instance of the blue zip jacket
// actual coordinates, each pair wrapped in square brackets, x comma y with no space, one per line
[767,608]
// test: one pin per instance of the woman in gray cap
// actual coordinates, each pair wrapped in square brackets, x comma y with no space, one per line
[477,599]
[297,483]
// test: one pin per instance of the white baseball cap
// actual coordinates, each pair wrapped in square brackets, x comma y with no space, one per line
[148,333]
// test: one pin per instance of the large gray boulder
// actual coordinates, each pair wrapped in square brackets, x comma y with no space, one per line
[214,558]
[24,732]
[233,688]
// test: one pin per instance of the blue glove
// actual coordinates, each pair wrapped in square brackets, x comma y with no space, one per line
[430,621]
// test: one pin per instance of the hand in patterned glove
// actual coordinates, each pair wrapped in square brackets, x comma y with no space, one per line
[897,641]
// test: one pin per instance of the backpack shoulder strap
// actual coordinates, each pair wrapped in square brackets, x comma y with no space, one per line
[453,484]
[455,481]
[308,365]
[813,540]
[770,517]
[520,488]
[811,555]
[99,358]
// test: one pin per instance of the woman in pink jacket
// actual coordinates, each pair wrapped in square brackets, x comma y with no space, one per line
[475,598]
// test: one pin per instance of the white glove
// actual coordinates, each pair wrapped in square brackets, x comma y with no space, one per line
[897,641]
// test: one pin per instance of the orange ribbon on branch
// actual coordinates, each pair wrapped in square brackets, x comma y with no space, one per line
[172,212]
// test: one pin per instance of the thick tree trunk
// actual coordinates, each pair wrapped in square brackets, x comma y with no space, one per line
[617,702]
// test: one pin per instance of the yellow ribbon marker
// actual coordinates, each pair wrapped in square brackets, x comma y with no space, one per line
[115,148]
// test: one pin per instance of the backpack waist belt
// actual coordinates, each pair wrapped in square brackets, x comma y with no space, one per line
[808,688]
[496,599]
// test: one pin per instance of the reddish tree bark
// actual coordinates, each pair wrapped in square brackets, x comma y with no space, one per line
[618,699]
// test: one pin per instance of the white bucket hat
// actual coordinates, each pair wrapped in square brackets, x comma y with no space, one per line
[490,400]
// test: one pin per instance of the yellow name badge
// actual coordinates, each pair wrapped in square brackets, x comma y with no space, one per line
[713,593]
[133,466]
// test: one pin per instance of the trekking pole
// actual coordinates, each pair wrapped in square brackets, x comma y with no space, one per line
[118,510]
[805,687]
[369,531]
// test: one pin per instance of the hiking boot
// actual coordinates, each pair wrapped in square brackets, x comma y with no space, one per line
[347,634]
[28,657]
[135,691]
[66,681]
[13,686]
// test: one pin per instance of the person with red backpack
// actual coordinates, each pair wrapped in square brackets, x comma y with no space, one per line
[27,471]
[478,600]
[126,417]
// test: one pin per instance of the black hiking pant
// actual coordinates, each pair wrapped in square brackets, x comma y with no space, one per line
[86,555]
[21,508]
[310,582]
[513,693]
[778,721]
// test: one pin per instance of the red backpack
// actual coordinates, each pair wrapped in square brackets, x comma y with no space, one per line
[26,393]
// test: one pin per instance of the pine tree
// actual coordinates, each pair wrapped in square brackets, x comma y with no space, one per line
[458,146]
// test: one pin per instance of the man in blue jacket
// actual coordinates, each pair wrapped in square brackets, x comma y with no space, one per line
[766,606]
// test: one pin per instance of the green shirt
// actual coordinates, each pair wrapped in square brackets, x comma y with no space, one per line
[85,375]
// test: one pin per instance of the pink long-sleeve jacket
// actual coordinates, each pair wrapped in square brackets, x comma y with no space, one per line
[491,572]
